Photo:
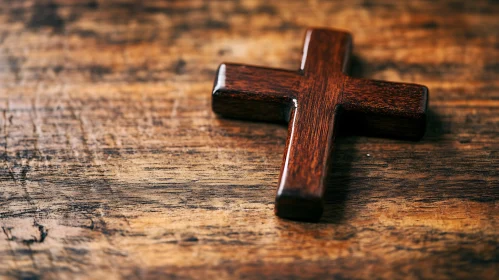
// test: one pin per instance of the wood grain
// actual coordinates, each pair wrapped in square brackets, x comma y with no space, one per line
[115,167]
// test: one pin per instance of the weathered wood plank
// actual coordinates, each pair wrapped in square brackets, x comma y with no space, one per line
[114,166]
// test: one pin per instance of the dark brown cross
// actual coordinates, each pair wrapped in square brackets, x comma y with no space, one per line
[311,100]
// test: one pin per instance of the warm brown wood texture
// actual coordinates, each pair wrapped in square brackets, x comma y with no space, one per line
[312,99]
[114,165]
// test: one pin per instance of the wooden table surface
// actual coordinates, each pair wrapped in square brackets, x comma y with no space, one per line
[114,166]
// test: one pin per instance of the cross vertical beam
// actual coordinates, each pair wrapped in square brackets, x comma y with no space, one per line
[312,129]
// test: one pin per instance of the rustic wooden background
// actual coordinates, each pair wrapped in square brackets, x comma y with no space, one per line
[113,165]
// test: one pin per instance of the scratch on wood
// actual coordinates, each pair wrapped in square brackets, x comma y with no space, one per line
[37,239]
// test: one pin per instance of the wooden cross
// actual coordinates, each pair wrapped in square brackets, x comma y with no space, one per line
[312,100]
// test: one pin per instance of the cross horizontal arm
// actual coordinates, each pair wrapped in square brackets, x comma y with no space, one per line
[254,93]
[385,108]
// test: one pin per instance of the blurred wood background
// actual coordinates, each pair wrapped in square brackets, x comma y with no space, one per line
[113,165]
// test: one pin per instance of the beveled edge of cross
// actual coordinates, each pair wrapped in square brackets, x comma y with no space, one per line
[283,91]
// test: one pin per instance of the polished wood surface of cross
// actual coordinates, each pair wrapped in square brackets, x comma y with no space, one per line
[313,100]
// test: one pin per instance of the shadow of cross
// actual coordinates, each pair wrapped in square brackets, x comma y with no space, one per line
[312,100]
